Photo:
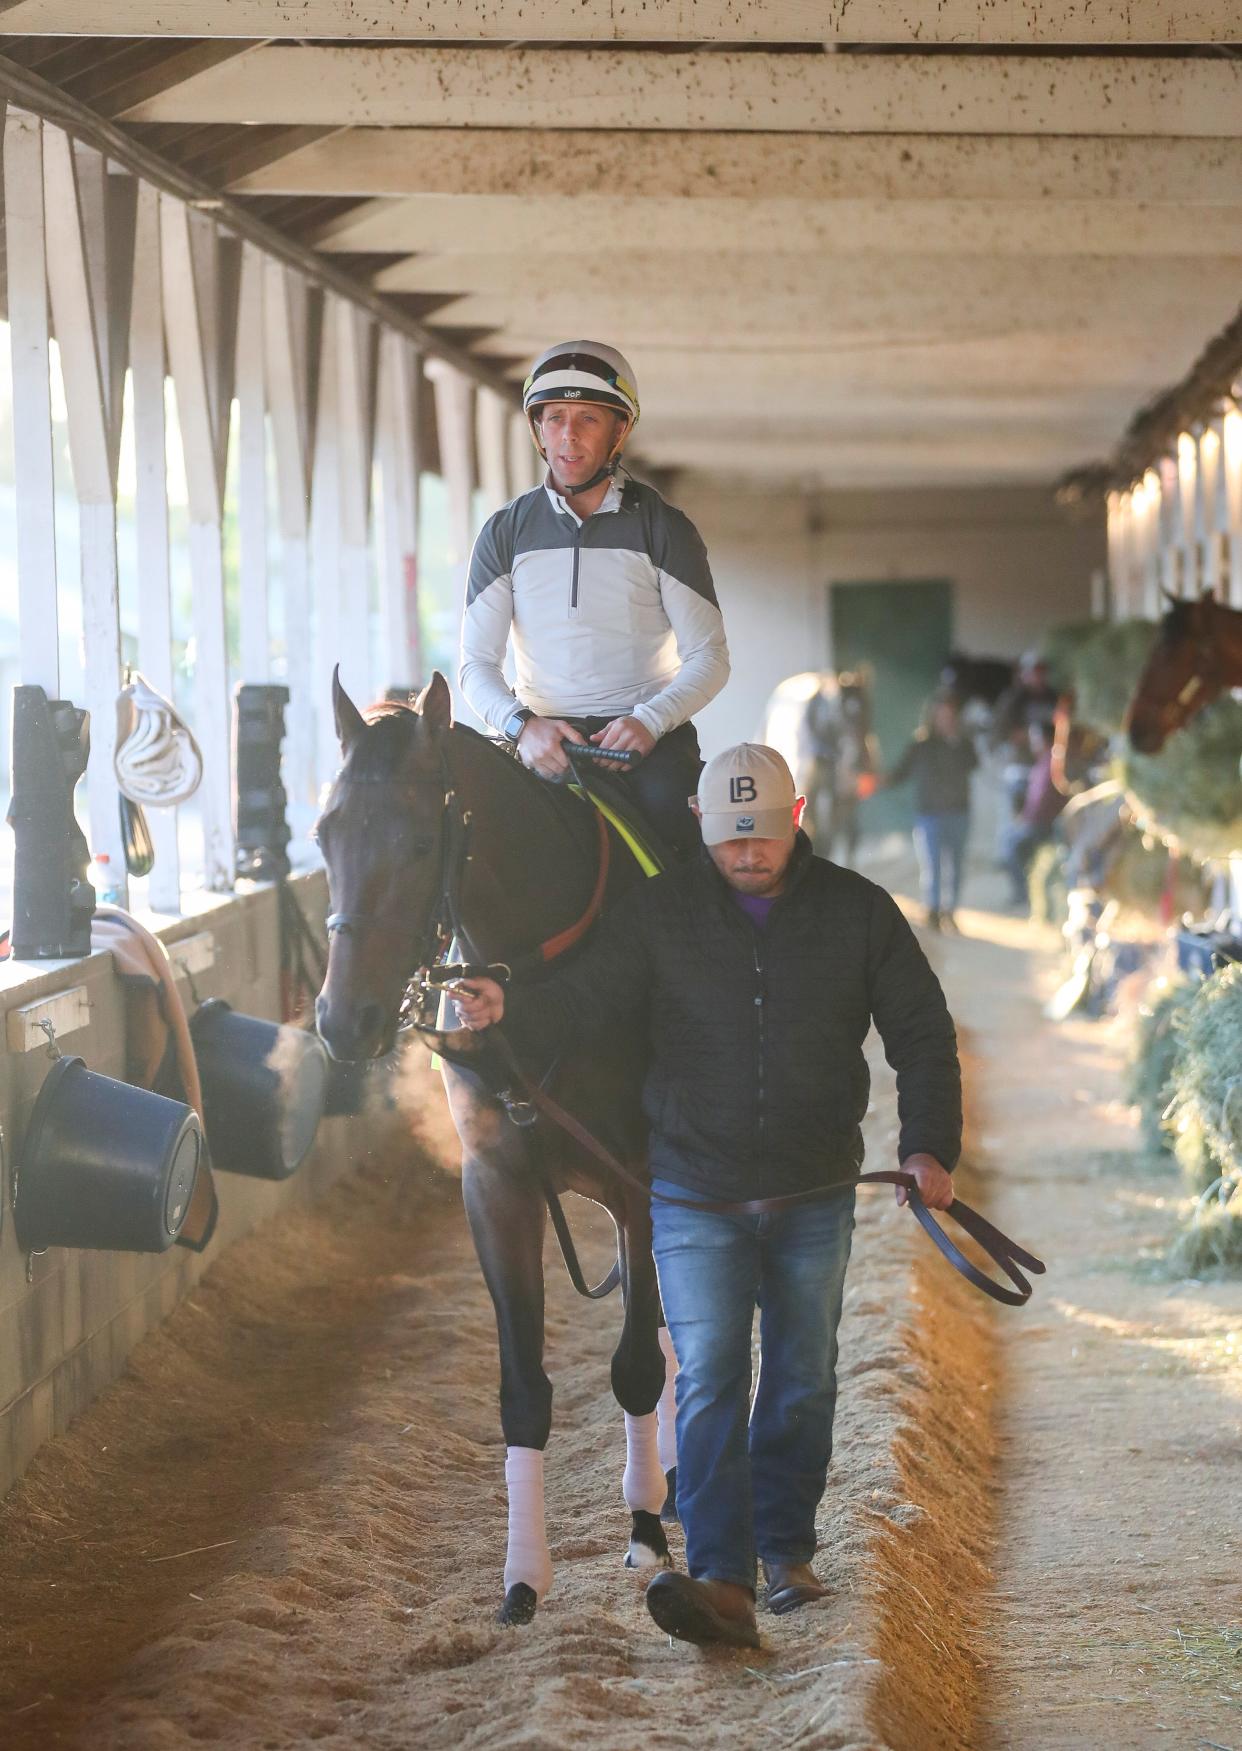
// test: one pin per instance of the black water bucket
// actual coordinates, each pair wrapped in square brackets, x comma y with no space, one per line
[264,1088]
[104,1165]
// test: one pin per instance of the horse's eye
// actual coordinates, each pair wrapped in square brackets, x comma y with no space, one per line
[423,844]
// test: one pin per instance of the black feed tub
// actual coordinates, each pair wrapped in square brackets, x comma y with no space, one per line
[264,1088]
[104,1165]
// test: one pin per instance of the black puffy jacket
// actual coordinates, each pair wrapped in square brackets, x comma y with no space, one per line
[757,1083]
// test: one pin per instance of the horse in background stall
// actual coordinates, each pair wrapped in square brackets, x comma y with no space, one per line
[1197,656]
[412,786]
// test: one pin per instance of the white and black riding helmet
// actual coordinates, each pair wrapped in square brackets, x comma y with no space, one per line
[582,370]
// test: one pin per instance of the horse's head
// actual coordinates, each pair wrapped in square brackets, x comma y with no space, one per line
[382,837]
[1179,676]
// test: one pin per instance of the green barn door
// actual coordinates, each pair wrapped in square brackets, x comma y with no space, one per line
[902,633]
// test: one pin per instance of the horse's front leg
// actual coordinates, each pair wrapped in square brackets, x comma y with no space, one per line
[507,1215]
[640,1372]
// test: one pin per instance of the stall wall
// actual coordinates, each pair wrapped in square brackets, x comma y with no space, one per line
[67,1331]
[1016,563]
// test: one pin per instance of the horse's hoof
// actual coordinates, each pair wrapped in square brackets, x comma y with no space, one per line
[669,1510]
[648,1545]
[520,1606]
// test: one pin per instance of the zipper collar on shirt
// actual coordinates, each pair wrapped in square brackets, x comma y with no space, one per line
[611,500]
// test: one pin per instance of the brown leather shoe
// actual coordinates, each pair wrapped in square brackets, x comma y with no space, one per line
[791,1585]
[703,1612]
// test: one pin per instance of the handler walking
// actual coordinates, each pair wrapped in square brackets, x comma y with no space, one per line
[761,969]
[606,593]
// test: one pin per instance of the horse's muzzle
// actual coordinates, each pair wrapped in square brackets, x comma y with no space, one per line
[361,1034]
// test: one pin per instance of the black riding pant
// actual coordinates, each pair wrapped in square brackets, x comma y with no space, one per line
[663,783]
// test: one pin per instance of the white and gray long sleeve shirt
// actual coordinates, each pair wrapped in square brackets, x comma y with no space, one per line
[611,615]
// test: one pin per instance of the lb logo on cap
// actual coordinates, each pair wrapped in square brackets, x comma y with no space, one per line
[742,789]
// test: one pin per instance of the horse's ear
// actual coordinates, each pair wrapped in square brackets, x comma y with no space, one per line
[350,722]
[435,704]
[1169,597]
[1208,595]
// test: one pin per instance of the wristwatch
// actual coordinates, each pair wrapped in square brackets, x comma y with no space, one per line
[516,724]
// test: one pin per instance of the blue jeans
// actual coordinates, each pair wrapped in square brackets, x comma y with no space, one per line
[940,841]
[740,1491]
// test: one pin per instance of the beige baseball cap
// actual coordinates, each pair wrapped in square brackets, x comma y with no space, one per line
[746,793]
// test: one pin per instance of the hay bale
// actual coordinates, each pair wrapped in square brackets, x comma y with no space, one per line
[1190,794]
[1106,669]
[1206,1078]
[1212,1239]
[1149,1075]
[1060,646]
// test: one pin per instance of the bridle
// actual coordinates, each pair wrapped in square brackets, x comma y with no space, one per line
[431,943]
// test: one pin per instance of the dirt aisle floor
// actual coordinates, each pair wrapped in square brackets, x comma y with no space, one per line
[1118,1604]
[284,1526]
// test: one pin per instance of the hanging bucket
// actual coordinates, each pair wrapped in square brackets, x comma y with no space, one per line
[264,1087]
[104,1165]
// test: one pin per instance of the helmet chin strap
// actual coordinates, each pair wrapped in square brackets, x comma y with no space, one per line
[605,473]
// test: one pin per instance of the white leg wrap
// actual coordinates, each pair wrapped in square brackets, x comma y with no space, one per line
[528,1558]
[643,1484]
[666,1410]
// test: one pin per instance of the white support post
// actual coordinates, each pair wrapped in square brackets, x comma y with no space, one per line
[288,392]
[1148,602]
[1212,508]
[199,324]
[25,248]
[397,436]
[521,454]
[355,401]
[1231,434]
[1172,568]
[256,662]
[493,433]
[89,287]
[454,399]
[326,539]
[155,629]
[454,395]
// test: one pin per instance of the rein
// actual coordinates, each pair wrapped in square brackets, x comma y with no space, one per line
[1006,1254]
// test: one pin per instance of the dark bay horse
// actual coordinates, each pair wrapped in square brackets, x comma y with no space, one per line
[410,782]
[1197,656]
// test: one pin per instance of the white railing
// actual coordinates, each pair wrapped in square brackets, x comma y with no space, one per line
[321,400]
[1179,528]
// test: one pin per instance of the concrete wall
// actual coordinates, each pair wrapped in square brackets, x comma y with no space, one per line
[66,1332]
[1016,563]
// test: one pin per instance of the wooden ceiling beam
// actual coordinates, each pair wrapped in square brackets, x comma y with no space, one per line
[1047,22]
[636,89]
[479,226]
[464,161]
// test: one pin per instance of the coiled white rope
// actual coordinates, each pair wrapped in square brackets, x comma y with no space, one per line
[157,759]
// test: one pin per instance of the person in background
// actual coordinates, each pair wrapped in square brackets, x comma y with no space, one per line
[940,760]
[1029,698]
[1034,823]
[841,756]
